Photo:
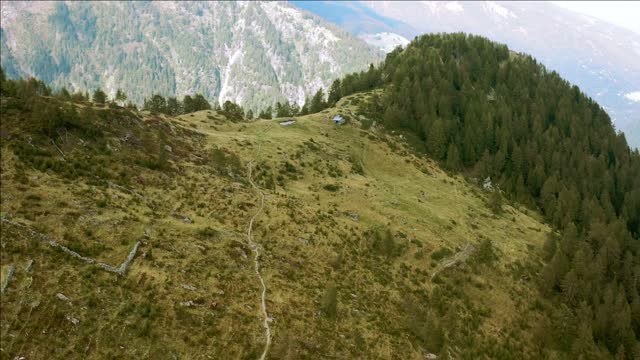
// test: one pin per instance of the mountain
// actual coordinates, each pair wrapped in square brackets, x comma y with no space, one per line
[249,52]
[473,205]
[357,18]
[384,41]
[601,58]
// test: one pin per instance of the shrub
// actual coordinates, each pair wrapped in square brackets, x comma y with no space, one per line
[332,187]
[495,202]
[208,233]
[486,253]
[441,253]
[384,243]
[226,163]
[329,304]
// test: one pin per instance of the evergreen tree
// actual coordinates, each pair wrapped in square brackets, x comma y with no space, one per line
[99,96]
[174,107]
[453,158]
[317,102]
[334,92]
[200,103]
[266,113]
[495,202]
[64,94]
[121,97]
[436,140]
[188,104]
[157,104]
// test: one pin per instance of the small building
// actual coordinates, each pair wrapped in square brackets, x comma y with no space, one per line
[288,122]
[338,120]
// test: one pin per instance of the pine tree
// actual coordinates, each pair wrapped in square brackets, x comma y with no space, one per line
[200,103]
[121,97]
[317,102]
[436,140]
[99,96]
[495,202]
[174,107]
[453,158]
[334,92]
[266,113]
[188,104]
[64,94]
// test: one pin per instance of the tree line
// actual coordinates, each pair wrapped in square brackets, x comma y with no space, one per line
[350,84]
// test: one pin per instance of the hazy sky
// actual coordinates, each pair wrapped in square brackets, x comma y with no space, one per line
[622,13]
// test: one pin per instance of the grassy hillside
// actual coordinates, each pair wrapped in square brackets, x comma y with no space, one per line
[366,249]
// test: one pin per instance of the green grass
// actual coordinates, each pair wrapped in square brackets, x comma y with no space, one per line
[314,175]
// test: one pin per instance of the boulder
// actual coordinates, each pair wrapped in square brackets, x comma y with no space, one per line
[62,297]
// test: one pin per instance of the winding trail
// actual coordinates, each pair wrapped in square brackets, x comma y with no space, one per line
[256,250]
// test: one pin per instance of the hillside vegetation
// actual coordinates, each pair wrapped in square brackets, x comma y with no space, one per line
[418,228]
[367,250]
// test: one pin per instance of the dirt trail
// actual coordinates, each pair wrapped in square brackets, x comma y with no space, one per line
[460,256]
[256,250]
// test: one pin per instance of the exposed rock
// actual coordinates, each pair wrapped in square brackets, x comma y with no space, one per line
[431,356]
[487,185]
[189,303]
[10,272]
[189,287]
[184,218]
[73,320]
[62,297]
[168,148]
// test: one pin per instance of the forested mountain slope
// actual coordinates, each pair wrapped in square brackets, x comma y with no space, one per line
[477,107]
[250,53]
[599,57]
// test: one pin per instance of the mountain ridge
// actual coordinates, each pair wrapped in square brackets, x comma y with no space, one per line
[601,58]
